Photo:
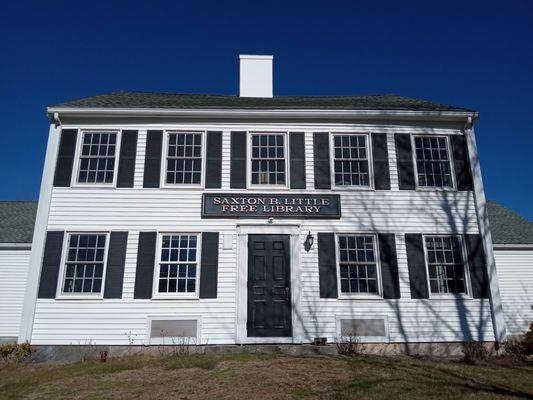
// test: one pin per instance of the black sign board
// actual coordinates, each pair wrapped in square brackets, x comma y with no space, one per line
[236,205]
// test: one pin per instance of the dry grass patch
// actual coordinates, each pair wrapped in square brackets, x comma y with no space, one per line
[268,376]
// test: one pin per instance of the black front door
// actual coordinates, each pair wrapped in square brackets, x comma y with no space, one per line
[269,286]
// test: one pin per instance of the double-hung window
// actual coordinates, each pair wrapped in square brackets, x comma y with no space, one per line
[358,267]
[446,268]
[178,264]
[269,159]
[184,158]
[97,160]
[350,160]
[433,161]
[84,264]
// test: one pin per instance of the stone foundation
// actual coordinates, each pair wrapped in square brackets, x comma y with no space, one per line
[73,353]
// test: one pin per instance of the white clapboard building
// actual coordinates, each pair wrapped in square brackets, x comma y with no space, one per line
[260,219]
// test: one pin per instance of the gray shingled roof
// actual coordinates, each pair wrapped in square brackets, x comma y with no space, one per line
[205,101]
[17,219]
[507,227]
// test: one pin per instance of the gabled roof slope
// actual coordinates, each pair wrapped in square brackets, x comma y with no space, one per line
[17,219]
[507,227]
[133,100]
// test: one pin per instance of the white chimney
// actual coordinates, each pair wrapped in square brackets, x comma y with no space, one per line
[255,76]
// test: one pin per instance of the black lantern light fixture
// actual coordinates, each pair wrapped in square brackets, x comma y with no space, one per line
[309,242]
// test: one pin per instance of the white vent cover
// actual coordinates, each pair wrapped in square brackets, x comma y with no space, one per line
[167,328]
[363,327]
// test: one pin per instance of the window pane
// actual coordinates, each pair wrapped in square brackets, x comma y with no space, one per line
[432,162]
[445,264]
[97,159]
[84,268]
[268,159]
[357,266]
[350,161]
[184,158]
[178,275]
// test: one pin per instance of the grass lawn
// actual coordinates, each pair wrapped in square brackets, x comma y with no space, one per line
[251,377]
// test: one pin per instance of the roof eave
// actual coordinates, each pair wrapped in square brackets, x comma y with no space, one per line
[262,113]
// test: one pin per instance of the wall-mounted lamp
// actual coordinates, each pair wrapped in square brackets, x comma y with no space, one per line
[309,240]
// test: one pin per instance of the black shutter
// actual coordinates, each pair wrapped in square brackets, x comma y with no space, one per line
[126,165]
[144,276]
[461,163]
[477,266]
[297,159]
[116,259]
[213,168]
[209,266]
[416,262]
[65,158]
[327,266]
[321,161]
[404,156]
[238,160]
[380,157]
[152,159]
[389,266]
[53,249]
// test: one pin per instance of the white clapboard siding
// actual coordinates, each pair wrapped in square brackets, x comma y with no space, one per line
[515,277]
[124,320]
[13,275]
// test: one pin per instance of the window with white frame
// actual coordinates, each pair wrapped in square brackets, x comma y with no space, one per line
[433,161]
[97,157]
[350,160]
[178,263]
[358,269]
[446,267]
[184,158]
[268,159]
[84,263]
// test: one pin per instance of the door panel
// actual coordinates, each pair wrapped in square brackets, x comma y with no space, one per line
[269,304]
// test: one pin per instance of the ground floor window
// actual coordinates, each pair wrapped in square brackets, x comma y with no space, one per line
[84,263]
[445,264]
[358,269]
[178,263]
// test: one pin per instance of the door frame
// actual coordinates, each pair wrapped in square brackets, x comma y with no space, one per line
[296,244]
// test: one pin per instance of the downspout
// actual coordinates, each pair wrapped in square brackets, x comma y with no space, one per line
[498,322]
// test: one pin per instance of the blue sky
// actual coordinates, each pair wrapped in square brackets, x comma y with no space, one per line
[475,54]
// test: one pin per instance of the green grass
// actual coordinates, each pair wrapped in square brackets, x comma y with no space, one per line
[262,376]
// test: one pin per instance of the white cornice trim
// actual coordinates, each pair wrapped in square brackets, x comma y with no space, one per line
[15,246]
[261,113]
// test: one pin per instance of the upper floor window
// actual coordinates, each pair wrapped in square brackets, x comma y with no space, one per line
[268,159]
[445,264]
[84,263]
[350,160]
[178,264]
[433,161]
[184,158]
[97,157]
[358,269]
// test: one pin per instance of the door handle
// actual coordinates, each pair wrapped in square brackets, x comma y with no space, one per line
[287,294]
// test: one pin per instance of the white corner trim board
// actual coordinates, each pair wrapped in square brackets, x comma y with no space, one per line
[39,233]
[498,321]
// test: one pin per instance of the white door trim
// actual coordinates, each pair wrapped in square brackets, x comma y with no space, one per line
[243,231]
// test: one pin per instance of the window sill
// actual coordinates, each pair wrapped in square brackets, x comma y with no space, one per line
[353,188]
[93,186]
[435,189]
[79,297]
[359,297]
[181,186]
[450,296]
[159,296]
